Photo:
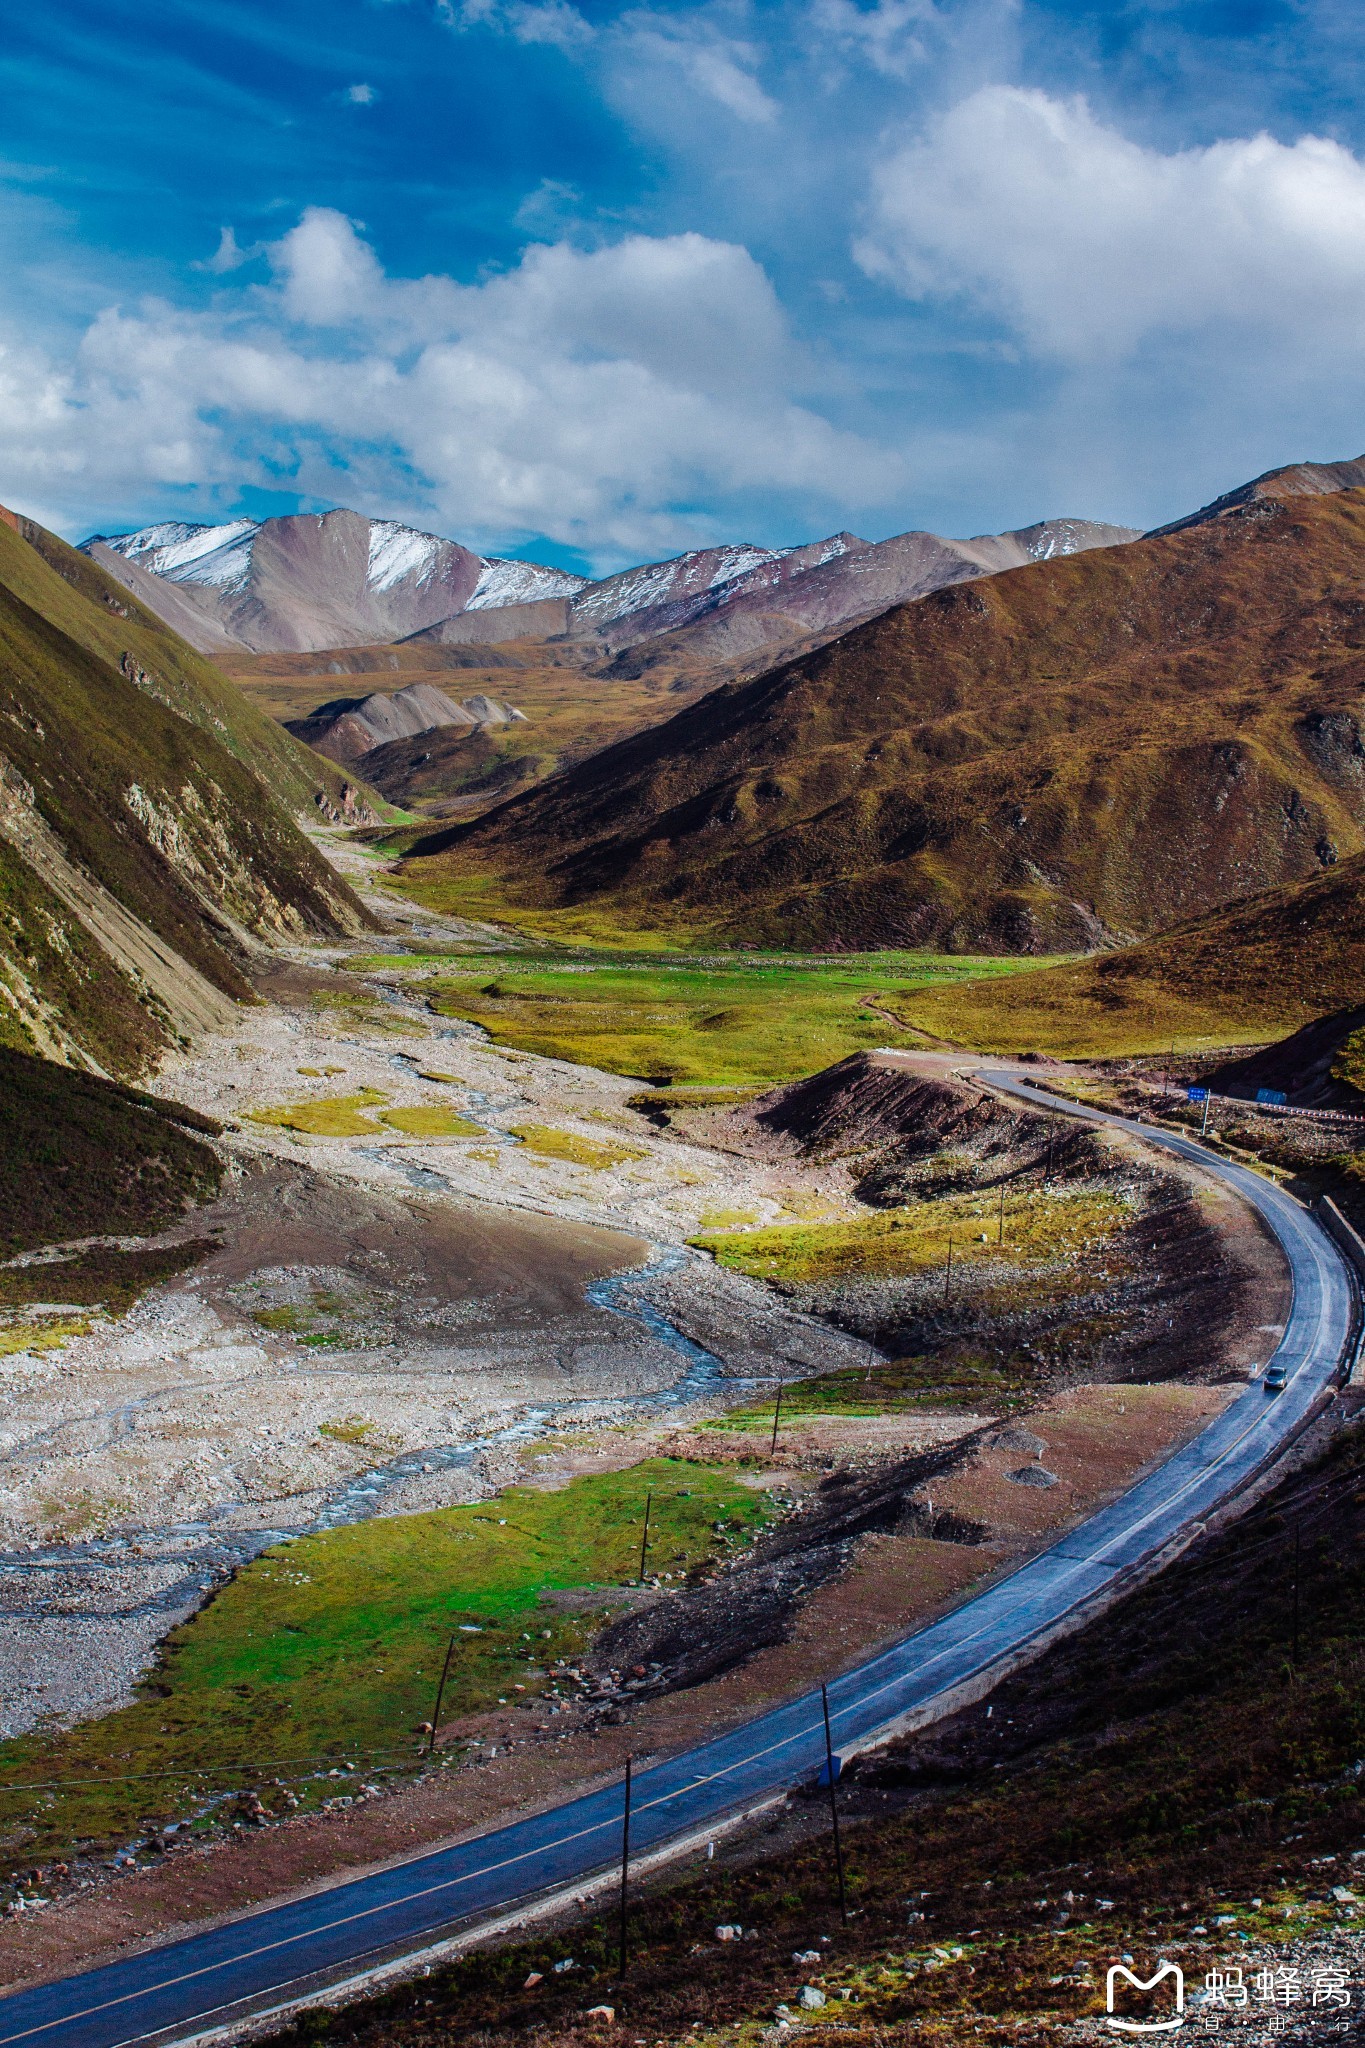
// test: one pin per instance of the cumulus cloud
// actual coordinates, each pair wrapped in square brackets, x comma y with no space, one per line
[587,395]
[361,95]
[1089,245]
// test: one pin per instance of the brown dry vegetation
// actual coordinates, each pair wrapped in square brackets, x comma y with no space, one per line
[79,1157]
[1254,970]
[1101,744]
[575,704]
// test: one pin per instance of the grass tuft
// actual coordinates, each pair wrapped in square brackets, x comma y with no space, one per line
[431,1120]
[553,1144]
[1040,1229]
[326,1116]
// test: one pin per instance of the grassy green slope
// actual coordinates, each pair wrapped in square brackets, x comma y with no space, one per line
[712,1021]
[152,805]
[1110,742]
[74,594]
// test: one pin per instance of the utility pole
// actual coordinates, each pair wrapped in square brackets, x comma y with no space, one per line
[1208,1098]
[833,1806]
[777,1417]
[440,1694]
[625,1867]
[644,1540]
[948,1276]
[1001,1238]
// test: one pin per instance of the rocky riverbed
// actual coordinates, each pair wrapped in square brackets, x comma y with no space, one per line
[380,1316]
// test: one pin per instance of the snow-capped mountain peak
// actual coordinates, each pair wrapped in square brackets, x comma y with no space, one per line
[399,551]
[504,581]
[184,553]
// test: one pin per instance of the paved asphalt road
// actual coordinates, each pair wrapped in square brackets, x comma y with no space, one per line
[192,1984]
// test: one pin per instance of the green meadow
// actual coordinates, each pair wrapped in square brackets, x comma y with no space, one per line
[328,1650]
[730,1020]
[1030,1229]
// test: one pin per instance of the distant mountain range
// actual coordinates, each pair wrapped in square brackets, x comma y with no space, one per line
[1055,758]
[338,579]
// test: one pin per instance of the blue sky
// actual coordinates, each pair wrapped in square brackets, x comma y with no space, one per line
[596,282]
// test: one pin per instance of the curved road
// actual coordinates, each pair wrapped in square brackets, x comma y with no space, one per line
[193,1984]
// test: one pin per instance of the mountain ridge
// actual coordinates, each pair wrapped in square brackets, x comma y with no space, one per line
[349,728]
[1270,963]
[1047,759]
[144,863]
[309,582]
[1290,480]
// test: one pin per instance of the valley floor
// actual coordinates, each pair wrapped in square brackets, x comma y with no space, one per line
[437,1269]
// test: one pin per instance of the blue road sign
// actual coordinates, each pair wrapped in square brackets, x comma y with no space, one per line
[1276,1097]
[1197,1094]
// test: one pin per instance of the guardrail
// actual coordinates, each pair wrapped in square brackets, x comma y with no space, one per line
[1321,1116]
[1352,1247]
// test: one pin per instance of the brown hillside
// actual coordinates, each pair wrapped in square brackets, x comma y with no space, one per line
[1095,747]
[142,861]
[107,620]
[1253,971]
[573,702]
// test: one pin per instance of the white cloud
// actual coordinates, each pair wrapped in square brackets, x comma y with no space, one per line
[890,35]
[227,256]
[652,52]
[361,95]
[552,206]
[659,50]
[527,21]
[1090,246]
[585,395]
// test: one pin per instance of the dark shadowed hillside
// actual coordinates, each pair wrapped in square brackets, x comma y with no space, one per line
[1062,756]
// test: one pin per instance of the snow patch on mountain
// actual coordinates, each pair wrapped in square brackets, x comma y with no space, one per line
[634,590]
[508,582]
[397,552]
[183,553]
[1053,539]
[837,544]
